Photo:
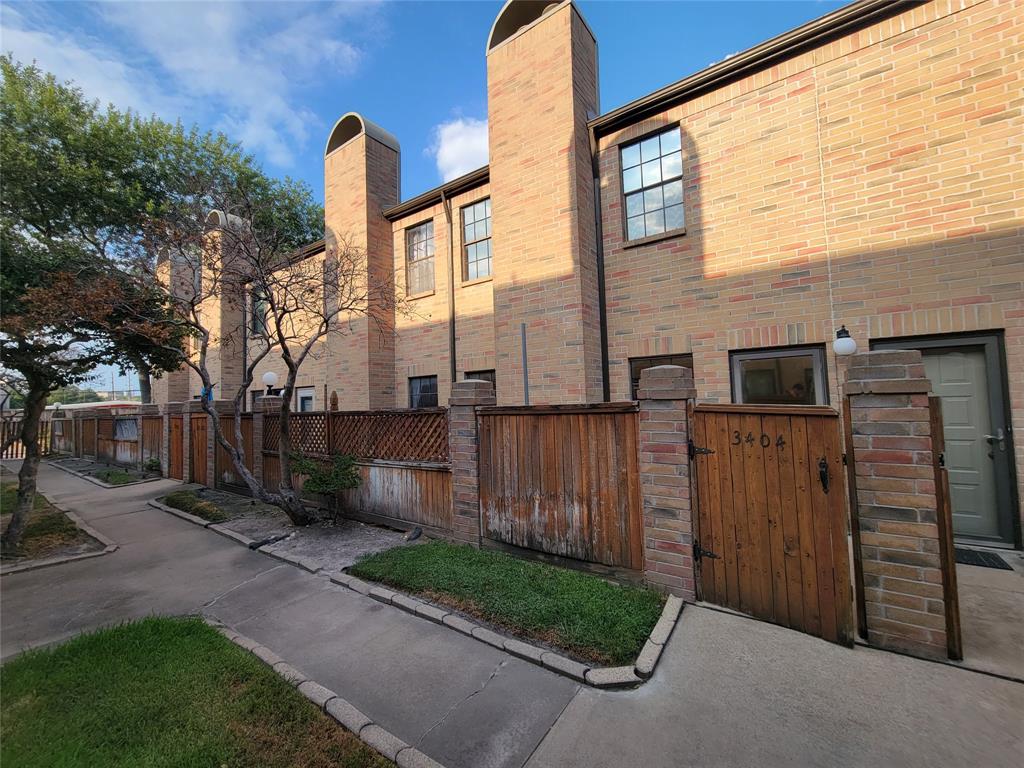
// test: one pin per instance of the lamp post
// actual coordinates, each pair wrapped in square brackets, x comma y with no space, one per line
[270,379]
[844,345]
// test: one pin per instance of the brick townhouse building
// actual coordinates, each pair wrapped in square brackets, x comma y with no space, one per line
[865,171]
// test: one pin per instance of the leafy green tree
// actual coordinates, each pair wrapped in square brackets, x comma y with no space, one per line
[77,182]
[73,395]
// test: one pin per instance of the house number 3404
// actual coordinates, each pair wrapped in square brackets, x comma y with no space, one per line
[765,440]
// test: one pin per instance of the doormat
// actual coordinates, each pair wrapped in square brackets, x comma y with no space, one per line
[980,559]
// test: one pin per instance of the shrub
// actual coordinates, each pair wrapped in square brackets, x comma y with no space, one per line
[187,501]
[327,479]
[152,464]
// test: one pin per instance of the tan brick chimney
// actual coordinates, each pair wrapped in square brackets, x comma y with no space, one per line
[541,90]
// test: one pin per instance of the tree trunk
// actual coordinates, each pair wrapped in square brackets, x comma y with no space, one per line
[145,378]
[291,500]
[35,404]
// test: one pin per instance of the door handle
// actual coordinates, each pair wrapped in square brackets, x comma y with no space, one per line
[999,439]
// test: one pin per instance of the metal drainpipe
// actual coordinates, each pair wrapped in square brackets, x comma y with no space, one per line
[447,203]
[599,245]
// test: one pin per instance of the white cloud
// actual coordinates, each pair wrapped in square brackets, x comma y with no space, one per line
[236,67]
[460,146]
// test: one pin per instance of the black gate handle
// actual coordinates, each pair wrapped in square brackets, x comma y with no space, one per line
[823,473]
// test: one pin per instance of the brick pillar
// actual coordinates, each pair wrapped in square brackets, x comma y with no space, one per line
[665,393]
[896,502]
[146,409]
[464,450]
[165,447]
[264,404]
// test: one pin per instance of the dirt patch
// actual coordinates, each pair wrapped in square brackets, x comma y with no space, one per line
[111,474]
[48,531]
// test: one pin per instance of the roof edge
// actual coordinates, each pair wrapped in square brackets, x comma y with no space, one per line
[811,34]
[433,196]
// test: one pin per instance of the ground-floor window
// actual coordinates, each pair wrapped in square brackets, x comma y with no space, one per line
[639,364]
[484,376]
[305,399]
[785,376]
[423,392]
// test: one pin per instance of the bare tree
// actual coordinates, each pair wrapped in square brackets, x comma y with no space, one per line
[237,283]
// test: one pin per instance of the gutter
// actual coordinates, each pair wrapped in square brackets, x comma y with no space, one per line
[810,35]
[602,303]
[446,201]
[438,194]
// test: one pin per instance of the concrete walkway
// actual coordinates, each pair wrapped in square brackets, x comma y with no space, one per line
[729,691]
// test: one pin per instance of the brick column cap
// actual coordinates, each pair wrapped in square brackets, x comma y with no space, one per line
[226,407]
[173,407]
[194,406]
[472,392]
[666,382]
[149,409]
[887,372]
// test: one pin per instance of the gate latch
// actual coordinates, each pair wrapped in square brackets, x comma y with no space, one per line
[698,552]
[695,451]
[823,473]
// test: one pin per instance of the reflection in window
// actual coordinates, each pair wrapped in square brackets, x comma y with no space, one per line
[419,248]
[792,376]
[639,364]
[476,239]
[423,392]
[305,399]
[652,182]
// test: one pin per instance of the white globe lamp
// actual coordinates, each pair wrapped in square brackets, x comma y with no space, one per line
[844,345]
[269,380]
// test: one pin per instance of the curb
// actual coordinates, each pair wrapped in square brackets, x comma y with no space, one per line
[109,545]
[100,483]
[628,676]
[338,709]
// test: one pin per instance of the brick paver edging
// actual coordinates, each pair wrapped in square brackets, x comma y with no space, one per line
[327,701]
[109,545]
[100,483]
[627,676]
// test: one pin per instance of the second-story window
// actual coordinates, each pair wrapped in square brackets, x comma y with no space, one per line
[476,240]
[652,182]
[419,258]
[260,308]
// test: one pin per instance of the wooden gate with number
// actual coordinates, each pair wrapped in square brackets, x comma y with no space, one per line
[175,448]
[771,529]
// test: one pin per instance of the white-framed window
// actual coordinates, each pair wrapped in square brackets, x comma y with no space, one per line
[652,185]
[419,258]
[305,399]
[476,240]
[783,376]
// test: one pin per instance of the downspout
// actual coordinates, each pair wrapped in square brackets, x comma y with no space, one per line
[447,203]
[602,307]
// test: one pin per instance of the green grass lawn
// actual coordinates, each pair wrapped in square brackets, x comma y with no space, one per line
[163,692]
[114,476]
[578,612]
[188,501]
[47,530]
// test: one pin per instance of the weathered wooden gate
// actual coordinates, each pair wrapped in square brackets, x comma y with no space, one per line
[197,449]
[771,531]
[563,480]
[175,458]
[88,433]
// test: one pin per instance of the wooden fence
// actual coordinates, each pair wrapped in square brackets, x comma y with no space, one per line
[563,480]
[62,436]
[117,439]
[152,438]
[403,460]
[16,450]
[226,475]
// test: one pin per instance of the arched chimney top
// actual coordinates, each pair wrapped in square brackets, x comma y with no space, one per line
[353,124]
[517,14]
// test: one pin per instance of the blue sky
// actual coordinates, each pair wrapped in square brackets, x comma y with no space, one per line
[276,76]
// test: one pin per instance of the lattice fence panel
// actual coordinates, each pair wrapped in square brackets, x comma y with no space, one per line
[309,433]
[271,431]
[420,435]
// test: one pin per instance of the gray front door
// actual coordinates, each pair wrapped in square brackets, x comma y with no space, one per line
[966,373]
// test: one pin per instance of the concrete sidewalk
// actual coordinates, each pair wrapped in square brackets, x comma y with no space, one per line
[728,691]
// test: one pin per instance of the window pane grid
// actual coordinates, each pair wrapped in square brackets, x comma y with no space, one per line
[652,172]
[420,258]
[476,238]
[423,392]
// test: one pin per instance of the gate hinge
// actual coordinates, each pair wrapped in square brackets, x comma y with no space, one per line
[694,450]
[699,552]
[845,462]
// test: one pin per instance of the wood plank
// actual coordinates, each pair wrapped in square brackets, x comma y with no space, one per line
[701,511]
[790,522]
[744,544]
[771,426]
[757,517]
[766,410]
[540,410]
[838,529]
[730,541]
[802,480]
[944,518]
[817,449]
